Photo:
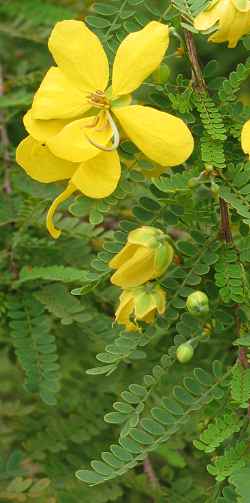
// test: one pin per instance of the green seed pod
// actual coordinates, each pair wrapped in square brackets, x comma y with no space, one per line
[184,352]
[161,75]
[197,303]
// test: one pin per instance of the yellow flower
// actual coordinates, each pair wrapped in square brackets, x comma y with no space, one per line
[146,256]
[80,83]
[232,16]
[140,304]
[42,165]
[245,138]
[74,110]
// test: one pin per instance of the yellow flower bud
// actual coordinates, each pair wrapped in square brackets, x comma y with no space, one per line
[140,304]
[197,303]
[184,352]
[232,18]
[146,256]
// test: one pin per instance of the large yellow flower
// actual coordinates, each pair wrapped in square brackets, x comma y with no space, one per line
[80,83]
[146,256]
[232,16]
[74,111]
[140,304]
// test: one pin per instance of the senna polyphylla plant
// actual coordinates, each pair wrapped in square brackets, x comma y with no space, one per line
[160,275]
[71,121]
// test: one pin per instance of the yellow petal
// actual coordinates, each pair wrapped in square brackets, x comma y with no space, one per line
[233,19]
[125,308]
[80,55]
[139,54]
[125,254]
[135,271]
[207,18]
[233,25]
[245,138]
[42,130]
[160,136]
[55,233]
[58,98]
[72,142]
[98,177]
[39,163]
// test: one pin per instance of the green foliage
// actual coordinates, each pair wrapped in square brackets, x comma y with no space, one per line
[231,461]
[230,277]
[235,189]
[240,480]
[158,427]
[240,386]
[218,431]
[35,347]
[71,380]
[210,116]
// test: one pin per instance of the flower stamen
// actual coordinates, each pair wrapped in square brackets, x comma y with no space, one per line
[115,136]
[98,100]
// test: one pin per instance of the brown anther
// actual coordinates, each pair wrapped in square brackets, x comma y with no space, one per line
[98,99]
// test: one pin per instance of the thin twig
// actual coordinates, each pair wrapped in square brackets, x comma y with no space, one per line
[199,82]
[225,223]
[149,470]
[5,142]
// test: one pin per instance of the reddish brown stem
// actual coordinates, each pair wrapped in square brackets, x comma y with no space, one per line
[148,469]
[199,82]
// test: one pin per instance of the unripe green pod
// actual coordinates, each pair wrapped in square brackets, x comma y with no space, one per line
[184,352]
[197,303]
[161,74]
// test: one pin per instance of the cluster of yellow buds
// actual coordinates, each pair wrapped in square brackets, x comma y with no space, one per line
[146,256]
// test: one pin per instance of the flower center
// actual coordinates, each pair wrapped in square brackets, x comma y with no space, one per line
[99,100]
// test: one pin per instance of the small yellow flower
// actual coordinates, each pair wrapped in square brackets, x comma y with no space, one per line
[245,138]
[146,256]
[140,304]
[74,110]
[232,16]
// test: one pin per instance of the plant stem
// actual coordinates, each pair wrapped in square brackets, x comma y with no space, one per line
[149,470]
